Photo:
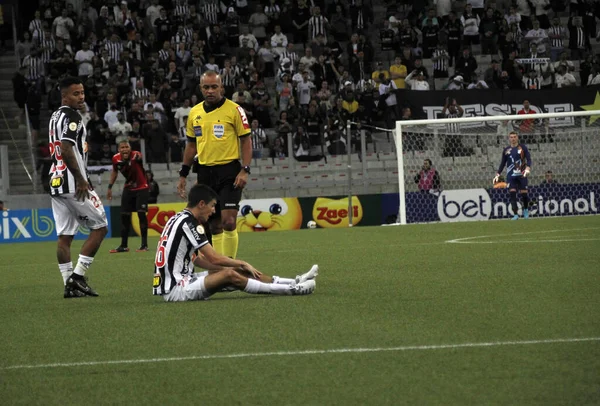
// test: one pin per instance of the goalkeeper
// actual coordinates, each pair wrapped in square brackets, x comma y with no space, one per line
[517,160]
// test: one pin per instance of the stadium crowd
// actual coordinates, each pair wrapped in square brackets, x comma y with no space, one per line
[300,67]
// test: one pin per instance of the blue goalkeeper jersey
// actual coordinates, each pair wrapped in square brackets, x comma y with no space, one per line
[516,159]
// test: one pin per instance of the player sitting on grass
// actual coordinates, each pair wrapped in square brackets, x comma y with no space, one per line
[174,276]
[517,160]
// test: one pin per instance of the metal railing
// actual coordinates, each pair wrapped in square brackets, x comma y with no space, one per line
[33,175]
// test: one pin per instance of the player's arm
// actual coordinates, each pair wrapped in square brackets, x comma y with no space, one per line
[215,258]
[68,140]
[528,160]
[188,156]
[113,177]
[500,168]
[242,128]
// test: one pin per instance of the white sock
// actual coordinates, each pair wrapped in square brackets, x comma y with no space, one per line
[83,265]
[283,281]
[66,270]
[256,287]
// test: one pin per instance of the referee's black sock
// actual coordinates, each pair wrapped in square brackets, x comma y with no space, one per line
[143,227]
[525,200]
[125,226]
[513,202]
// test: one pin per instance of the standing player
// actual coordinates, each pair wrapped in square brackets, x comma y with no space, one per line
[517,160]
[74,202]
[215,130]
[174,277]
[136,193]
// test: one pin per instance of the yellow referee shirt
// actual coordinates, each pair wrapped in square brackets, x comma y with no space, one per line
[217,132]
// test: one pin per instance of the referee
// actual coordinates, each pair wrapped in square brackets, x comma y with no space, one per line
[216,128]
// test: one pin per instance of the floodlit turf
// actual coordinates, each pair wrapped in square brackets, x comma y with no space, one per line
[399,288]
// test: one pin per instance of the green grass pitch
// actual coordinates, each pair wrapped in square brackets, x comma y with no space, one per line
[420,307]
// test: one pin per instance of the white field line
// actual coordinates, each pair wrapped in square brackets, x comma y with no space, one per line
[305,352]
[469,240]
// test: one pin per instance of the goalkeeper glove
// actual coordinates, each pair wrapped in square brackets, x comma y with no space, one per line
[496,179]
[526,172]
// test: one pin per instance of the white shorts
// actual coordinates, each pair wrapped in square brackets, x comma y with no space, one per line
[69,213]
[189,288]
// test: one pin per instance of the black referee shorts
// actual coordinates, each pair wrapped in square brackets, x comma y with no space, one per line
[221,178]
[135,200]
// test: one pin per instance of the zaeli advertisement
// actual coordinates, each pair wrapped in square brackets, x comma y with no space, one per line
[276,214]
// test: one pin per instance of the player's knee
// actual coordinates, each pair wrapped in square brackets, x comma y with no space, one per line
[233,277]
[216,227]
[229,224]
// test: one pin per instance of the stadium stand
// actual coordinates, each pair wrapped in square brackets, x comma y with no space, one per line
[143,58]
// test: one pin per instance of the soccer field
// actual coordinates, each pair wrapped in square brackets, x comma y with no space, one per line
[494,312]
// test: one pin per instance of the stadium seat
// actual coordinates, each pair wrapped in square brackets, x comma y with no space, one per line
[271,182]
[376,164]
[385,156]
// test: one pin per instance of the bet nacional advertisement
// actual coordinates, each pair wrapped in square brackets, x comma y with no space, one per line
[35,225]
[483,204]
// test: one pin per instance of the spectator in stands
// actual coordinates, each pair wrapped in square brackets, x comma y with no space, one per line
[557,34]
[492,75]
[20,89]
[579,38]
[489,31]
[562,78]
[2,207]
[466,63]
[361,16]
[564,61]
[62,26]
[526,127]
[416,80]
[454,31]
[157,143]
[104,158]
[470,22]
[379,72]
[398,73]
[43,164]
[428,179]
[300,17]
[430,36]
[176,146]
[476,83]
[154,188]
[301,145]
[259,139]
[121,129]
[34,107]
[537,36]
[456,83]
[548,179]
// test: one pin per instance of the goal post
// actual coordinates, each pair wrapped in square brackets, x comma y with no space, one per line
[465,153]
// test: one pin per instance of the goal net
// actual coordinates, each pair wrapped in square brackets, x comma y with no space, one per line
[447,166]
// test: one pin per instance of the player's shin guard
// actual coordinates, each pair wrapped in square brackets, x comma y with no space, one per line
[143,227]
[217,243]
[230,243]
[513,202]
[125,226]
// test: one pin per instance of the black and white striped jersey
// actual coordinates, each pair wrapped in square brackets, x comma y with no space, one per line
[66,125]
[452,128]
[180,238]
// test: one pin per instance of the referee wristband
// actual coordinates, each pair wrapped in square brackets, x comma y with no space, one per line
[110,185]
[184,171]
